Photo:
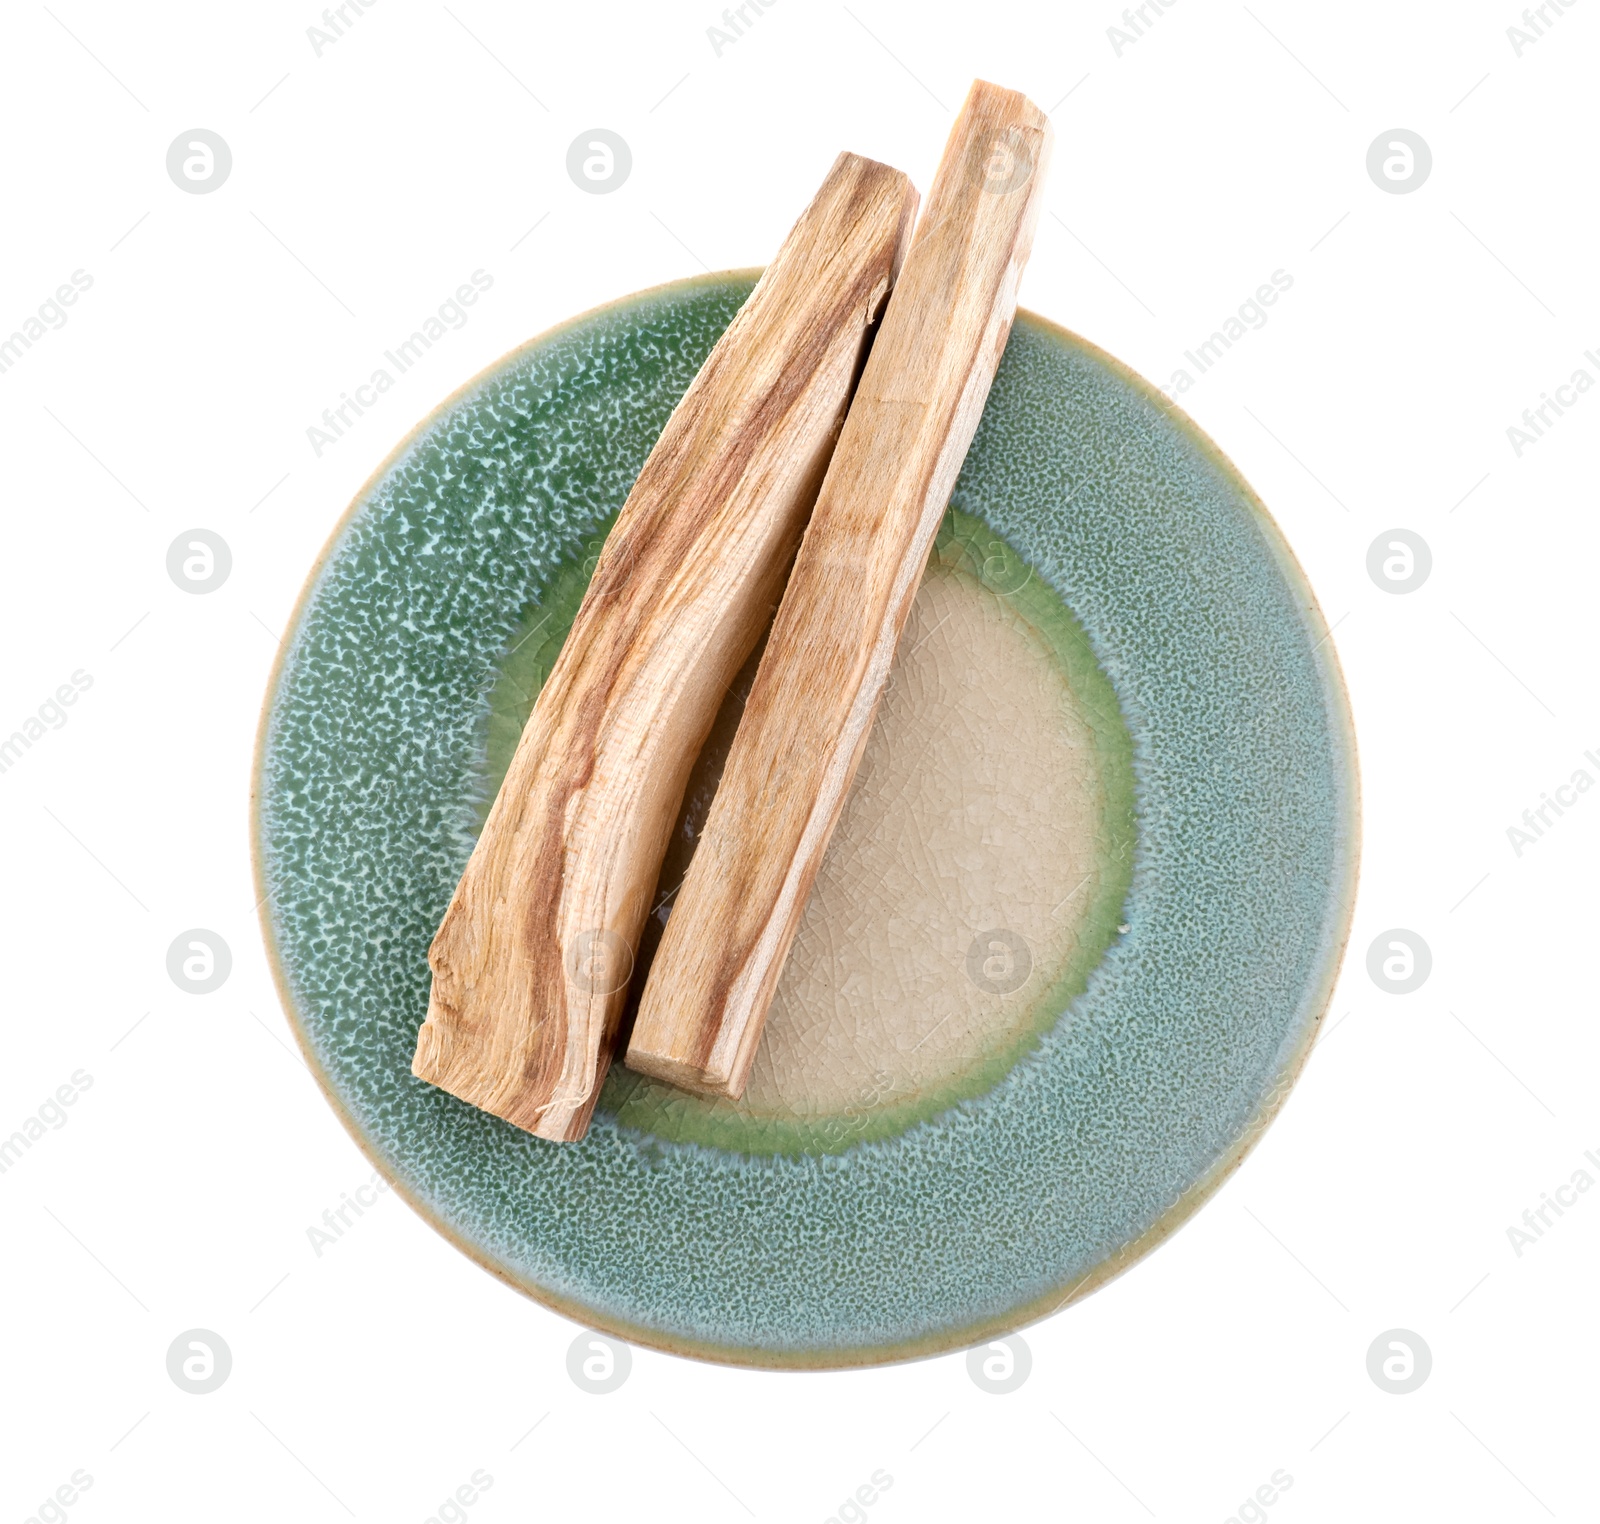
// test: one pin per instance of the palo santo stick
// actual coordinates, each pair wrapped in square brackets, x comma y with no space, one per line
[806,721]
[531,962]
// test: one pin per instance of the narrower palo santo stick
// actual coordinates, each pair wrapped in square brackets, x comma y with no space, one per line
[806,721]
[531,963]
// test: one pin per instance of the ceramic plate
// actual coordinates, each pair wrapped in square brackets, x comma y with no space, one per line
[1066,952]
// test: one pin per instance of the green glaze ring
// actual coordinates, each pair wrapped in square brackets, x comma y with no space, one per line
[1065,956]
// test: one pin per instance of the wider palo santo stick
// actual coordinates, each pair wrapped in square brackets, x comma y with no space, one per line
[817,689]
[531,963]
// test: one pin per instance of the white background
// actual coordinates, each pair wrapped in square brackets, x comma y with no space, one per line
[368,183]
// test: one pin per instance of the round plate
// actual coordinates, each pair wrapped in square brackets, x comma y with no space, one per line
[1115,685]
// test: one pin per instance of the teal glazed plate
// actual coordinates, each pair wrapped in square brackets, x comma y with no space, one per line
[1066,953]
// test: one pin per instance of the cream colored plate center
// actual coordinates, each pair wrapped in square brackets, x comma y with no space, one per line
[954,892]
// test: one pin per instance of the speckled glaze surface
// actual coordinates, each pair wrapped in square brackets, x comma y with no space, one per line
[1129,1105]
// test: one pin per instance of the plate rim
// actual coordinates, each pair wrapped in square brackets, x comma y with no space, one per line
[944,1341]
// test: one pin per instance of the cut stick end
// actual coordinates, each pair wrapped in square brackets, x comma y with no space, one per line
[1001,141]
[663,1064]
[557,1121]
[997,103]
[865,193]
[1002,97]
[430,1061]
[669,1045]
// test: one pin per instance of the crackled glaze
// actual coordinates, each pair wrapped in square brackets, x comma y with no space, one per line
[1117,1114]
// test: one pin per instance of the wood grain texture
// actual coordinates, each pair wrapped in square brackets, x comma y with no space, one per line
[828,657]
[531,962]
